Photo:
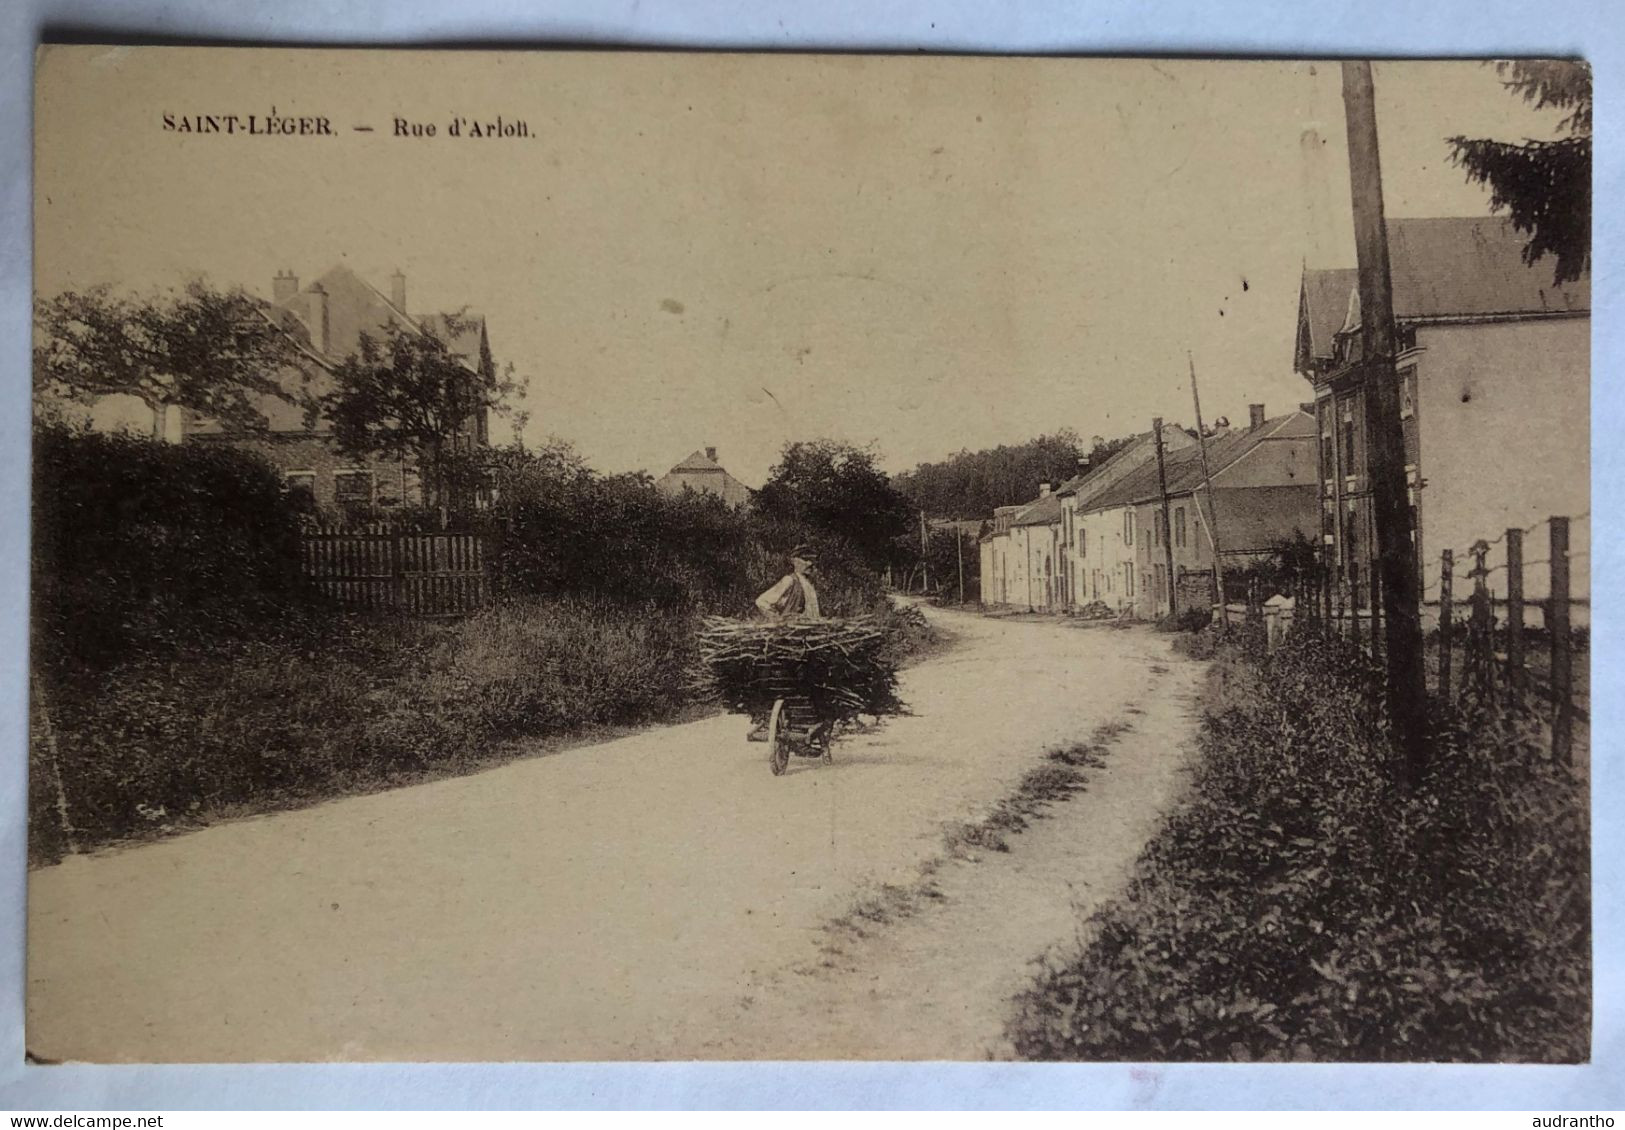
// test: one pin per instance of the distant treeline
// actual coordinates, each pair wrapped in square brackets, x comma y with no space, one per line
[971,483]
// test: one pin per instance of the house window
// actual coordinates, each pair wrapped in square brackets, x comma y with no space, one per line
[1407,393]
[1348,442]
[1128,527]
[1179,527]
[1083,542]
[297,482]
[1156,528]
[352,488]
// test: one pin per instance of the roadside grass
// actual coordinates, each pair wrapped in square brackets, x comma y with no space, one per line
[1298,905]
[913,638]
[172,742]
[340,704]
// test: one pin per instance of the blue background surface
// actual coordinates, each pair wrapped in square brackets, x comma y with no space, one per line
[1191,27]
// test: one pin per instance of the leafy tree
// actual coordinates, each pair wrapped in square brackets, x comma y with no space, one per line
[405,394]
[1544,185]
[217,352]
[836,489]
[972,483]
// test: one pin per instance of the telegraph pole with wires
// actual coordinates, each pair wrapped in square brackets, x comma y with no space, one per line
[925,556]
[1207,482]
[1164,528]
[1385,435]
[959,553]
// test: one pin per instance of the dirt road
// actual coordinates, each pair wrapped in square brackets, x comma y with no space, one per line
[658,896]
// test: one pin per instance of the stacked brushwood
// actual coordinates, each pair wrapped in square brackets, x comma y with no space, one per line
[841,665]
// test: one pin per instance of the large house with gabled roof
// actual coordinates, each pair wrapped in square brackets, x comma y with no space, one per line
[1495,387]
[328,317]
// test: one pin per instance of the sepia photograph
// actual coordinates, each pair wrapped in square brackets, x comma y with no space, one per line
[560,555]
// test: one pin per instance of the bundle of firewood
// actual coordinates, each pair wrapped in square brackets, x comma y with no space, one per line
[839,664]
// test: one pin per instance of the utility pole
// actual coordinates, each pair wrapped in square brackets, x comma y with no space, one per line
[1207,482]
[1385,435]
[959,552]
[925,556]
[1162,522]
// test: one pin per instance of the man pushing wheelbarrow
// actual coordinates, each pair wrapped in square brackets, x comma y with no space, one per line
[795,673]
[794,595]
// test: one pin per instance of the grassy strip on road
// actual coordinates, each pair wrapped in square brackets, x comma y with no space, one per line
[1040,787]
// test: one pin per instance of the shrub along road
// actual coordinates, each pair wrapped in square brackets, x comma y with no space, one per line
[637,898]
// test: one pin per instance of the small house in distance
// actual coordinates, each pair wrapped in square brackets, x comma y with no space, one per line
[701,473]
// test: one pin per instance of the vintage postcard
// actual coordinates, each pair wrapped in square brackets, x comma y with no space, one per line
[636,556]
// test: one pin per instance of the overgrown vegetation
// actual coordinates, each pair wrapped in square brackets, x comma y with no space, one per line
[142,548]
[350,704]
[182,672]
[1301,906]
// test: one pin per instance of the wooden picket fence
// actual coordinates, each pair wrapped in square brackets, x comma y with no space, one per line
[380,567]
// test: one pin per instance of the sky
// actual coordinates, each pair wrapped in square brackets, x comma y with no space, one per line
[920,254]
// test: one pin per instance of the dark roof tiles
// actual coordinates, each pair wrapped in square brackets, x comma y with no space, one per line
[1445,269]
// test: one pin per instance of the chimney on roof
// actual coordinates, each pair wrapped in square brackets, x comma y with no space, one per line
[711,454]
[397,290]
[318,318]
[1043,490]
[1083,464]
[1221,427]
[1255,413]
[284,286]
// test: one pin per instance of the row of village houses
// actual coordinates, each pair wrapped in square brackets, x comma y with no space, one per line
[1495,389]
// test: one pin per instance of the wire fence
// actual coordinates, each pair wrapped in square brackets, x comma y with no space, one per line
[1491,639]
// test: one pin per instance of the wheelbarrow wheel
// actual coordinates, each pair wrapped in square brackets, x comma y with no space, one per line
[778,739]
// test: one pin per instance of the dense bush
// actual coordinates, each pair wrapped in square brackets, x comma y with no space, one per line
[360,704]
[566,531]
[141,546]
[1301,906]
[838,493]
